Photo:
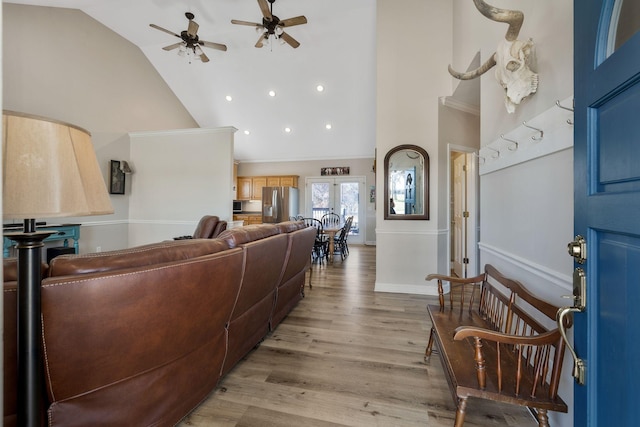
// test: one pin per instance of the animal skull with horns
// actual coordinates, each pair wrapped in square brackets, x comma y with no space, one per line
[512,58]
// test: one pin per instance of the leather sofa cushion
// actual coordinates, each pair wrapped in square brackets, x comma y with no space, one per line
[155,253]
[241,235]
[289,226]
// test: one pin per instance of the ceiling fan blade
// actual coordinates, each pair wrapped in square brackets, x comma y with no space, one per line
[264,7]
[213,45]
[204,57]
[298,20]
[192,30]
[261,39]
[173,46]
[164,30]
[250,24]
[287,38]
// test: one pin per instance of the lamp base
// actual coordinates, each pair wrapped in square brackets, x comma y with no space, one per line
[30,369]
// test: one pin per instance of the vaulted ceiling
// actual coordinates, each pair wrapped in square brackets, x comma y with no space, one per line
[337,50]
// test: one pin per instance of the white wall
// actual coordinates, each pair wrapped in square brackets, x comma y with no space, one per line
[62,64]
[414,49]
[180,177]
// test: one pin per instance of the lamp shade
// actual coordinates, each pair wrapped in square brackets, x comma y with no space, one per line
[49,170]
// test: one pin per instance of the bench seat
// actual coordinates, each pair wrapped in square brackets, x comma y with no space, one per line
[490,348]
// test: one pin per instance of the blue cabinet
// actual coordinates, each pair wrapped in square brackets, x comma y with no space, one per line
[61,232]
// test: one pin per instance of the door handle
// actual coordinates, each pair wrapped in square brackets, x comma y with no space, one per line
[579,305]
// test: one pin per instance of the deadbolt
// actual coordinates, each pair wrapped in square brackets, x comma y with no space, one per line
[578,249]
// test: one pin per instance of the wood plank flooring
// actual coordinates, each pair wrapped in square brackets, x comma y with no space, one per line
[346,356]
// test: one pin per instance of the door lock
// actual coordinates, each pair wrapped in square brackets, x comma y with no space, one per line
[578,249]
[579,304]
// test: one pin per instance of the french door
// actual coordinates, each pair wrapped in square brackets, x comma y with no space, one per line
[607,210]
[343,196]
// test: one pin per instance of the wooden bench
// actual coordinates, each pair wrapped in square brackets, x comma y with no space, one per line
[493,346]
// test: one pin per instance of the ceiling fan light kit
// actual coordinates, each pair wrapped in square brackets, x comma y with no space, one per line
[191,45]
[271,27]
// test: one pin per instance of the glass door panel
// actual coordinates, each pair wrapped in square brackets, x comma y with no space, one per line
[342,196]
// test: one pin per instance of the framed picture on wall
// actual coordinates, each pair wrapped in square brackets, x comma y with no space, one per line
[116,178]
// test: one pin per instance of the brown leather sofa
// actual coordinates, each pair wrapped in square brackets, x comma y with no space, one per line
[141,336]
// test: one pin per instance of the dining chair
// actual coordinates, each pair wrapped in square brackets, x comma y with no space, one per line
[321,244]
[340,243]
[331,219]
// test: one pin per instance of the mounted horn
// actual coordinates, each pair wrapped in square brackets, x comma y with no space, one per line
[513,57]
[514,18]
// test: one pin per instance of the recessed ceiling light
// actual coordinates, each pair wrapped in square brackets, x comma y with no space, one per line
[246,132]
[272,93]
[287,130]
[229,98]
[328,126]
[319,88]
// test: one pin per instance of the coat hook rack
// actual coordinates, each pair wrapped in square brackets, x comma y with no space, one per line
[563,107]
[536,129]
[515,146]
[480,158]
[569,121]
[495,156]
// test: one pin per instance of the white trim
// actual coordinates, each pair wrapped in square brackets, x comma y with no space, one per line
[561,280]
[161,222]
[558,135]
[308,159]
[192,131]
[396,288]
[451,102]
[418,232]
[103,223]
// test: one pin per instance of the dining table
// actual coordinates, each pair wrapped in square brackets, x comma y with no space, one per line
[330,230]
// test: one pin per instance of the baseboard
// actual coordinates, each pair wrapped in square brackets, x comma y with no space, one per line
[396,288]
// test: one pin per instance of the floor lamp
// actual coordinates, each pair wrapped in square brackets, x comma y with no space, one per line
[50,170]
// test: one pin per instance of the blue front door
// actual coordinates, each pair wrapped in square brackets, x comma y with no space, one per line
[607,209]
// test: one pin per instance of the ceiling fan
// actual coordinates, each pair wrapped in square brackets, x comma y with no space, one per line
[190,40]
[272,25]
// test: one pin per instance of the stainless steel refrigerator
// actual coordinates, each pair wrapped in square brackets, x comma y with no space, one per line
[279,203]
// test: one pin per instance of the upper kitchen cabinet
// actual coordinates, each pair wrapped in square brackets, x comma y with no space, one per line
[250,187]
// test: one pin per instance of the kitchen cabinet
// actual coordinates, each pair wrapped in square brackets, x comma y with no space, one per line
[250,187]
[244,188]
[248,219]
[235,181]
[257,183]
[273,181]
[289,181]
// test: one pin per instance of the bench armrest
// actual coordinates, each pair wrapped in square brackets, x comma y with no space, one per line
[547,338]
[453,279]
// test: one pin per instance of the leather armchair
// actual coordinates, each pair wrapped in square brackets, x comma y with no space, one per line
[208,228]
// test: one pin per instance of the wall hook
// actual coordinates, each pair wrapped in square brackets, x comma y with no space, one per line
[536,129]
[569,121]
[563,107]
[495,156]
[515,147]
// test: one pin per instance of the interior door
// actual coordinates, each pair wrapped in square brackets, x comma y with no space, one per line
[607,209]
[459,235]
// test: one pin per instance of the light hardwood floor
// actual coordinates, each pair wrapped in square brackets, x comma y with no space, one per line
[346,356]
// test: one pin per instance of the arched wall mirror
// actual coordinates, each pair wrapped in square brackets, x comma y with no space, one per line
[406,183]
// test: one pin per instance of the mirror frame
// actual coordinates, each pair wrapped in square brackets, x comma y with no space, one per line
[387,157]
